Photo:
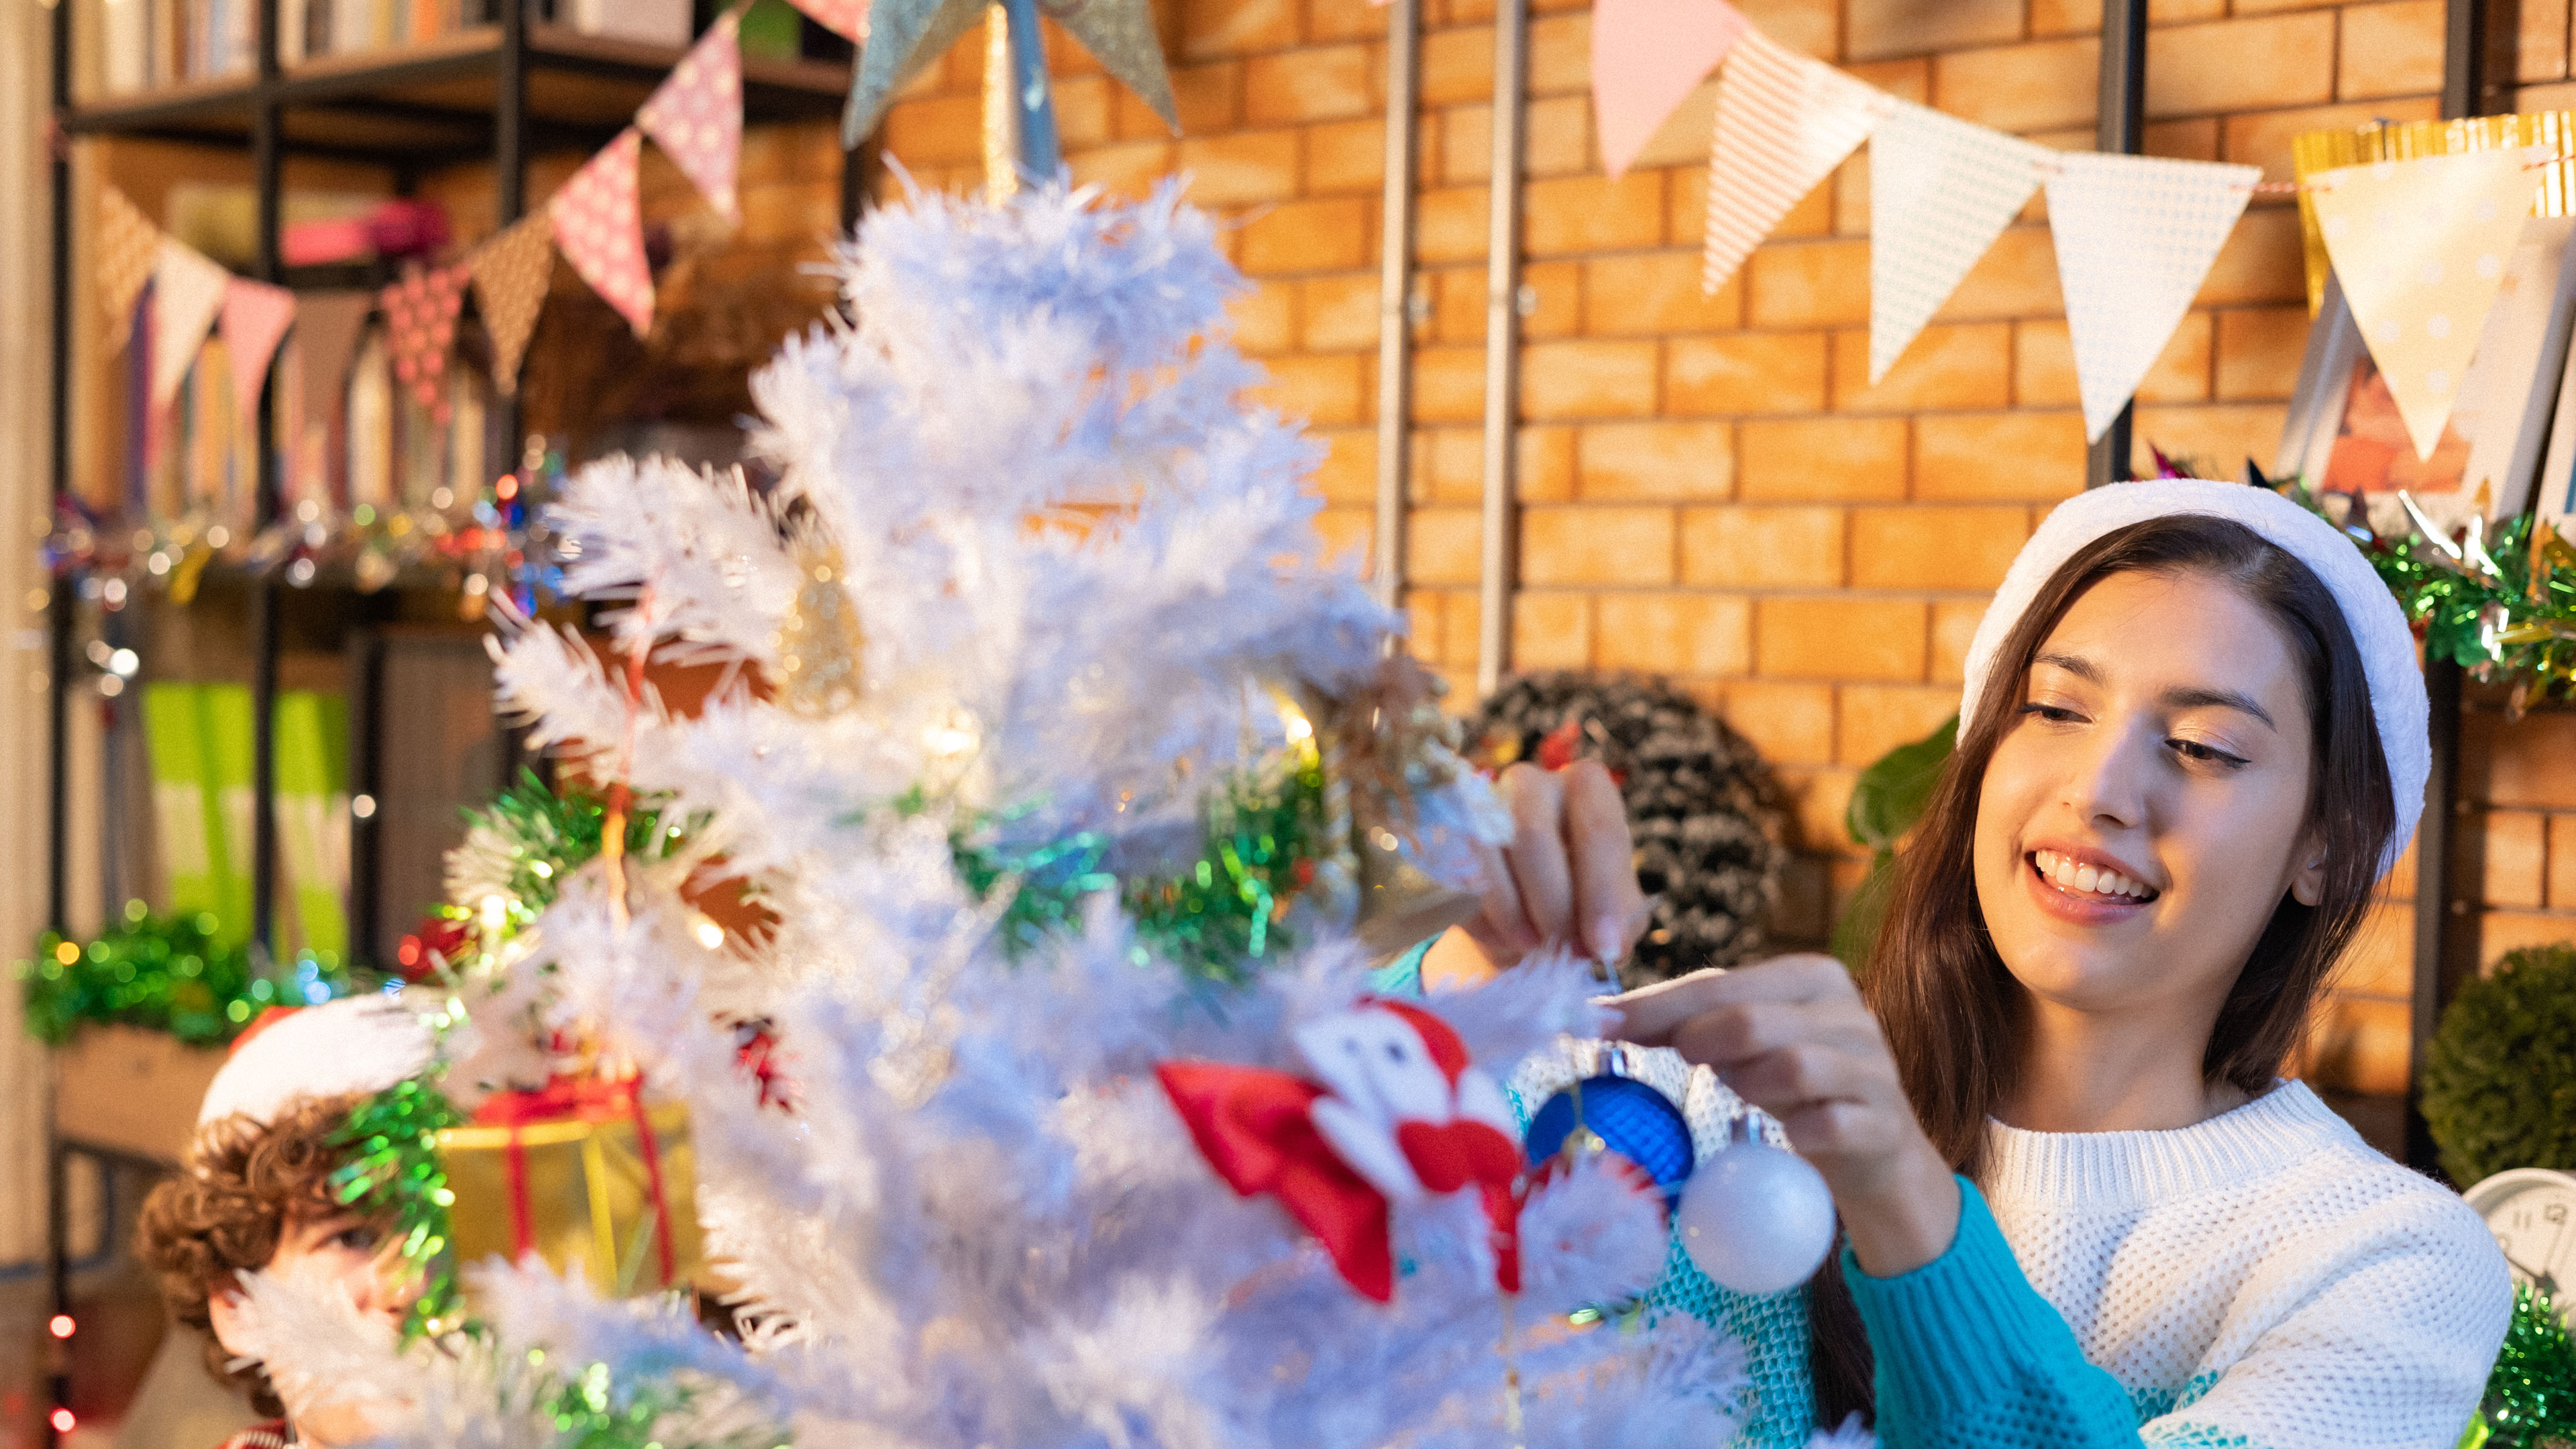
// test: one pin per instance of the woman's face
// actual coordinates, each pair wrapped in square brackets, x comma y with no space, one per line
[2146,808]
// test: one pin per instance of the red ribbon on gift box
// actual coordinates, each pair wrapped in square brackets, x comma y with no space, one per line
[589,1099]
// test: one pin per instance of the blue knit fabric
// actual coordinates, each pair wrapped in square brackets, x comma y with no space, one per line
[1403,975]
[1970,1354]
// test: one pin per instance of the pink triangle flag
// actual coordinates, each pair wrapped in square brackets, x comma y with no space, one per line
[1784,122]
[187,294]
[256,316]
[847,19]
[696,115]
[420,326]
[601,233]
[1647,57]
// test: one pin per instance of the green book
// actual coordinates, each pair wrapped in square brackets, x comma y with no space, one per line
[313,817]
[185,825]
[226,714]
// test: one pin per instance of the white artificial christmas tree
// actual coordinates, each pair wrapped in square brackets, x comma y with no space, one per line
[1059,761]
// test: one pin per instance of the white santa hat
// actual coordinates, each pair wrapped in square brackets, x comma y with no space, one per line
[353,1045]
[2380,632]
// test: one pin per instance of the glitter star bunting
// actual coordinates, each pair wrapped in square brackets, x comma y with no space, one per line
[906,35]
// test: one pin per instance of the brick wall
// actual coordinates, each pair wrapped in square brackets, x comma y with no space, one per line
[1710,487]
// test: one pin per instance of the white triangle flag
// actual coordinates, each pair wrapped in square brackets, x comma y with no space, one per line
[187,295]
[2135,235]
[2420,247]
[1940,191]
[1784,122]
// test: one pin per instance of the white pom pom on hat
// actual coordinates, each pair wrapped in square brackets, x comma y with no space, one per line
[2389,657]
[356,1044]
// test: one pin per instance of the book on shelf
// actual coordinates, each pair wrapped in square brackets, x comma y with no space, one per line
[186,829]
[230,749]
[313,818]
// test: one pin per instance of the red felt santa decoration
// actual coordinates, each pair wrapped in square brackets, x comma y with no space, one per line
[1390,1111]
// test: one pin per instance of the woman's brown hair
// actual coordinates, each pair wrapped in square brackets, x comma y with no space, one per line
[224,1212]
[1953,1015]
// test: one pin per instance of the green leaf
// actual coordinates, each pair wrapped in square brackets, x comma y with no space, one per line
[1890,795]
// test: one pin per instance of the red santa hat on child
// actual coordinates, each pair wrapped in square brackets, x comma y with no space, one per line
[354,1045]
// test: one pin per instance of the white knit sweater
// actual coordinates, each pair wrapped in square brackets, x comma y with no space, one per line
[2263,1278]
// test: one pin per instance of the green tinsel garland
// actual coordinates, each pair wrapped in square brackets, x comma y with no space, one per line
[531,838]
[2531,1395]
[164,973]
[393,1171]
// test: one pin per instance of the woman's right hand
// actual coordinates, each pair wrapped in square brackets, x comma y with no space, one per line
[1792,1037]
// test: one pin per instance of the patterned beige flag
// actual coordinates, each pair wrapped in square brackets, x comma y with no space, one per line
[1784,122]
[2420,247]
[511,273]
[128,245]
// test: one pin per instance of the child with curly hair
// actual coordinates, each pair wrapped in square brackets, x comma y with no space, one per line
[254,1195]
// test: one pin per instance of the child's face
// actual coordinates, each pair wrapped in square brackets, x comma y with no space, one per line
[343,1254]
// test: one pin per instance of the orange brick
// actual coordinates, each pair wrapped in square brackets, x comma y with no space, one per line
[2246,64]
[2035,457]
[1128,170]
[2391,50]
[2562,862]
[1839,638]
[1461,622]
[1699,634]
[1237,28]
[1543,466]
[1458,66]
[2502,931]
[2259,350]
[2193,140]
[2028,87]
[2216,437]
[1348,474]
[1682,139]
[1763,548]
[1968,366]
[1466,144]
[1587,379]
[1321,83]
[1954,624]
[1341,313]
[1557,137]
[1813,216]
[1592,213]
[1443,546]
[2542,42]
[1560,55]
[1082,111]
[1935,548]
[2263,138]
[1805,459]
[1628,462]
[1807,284]
[1551,631]
[1625,546]
[1448,465]
[1265,318]
[1343,535]
[1344,20]
[1810,27]
[1448,384]
[1876,718]
[1346,156]
[2381,959]
[1791,724]
[1557,290]
[1875,28]
[1246,166]
[1449,225]
[1422,625]
[941,130]
[1328,235]
[1651,292]
[2359,1044]
[2044,365]
[1746,372]
[2530,763]
[1326,391]
[2181,371]
[2017,277]
[2515,846]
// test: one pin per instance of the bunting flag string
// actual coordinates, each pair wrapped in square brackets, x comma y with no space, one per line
[2135,236]
[600,231]
[187,295]
[255,318]
[511,273]
[129,244]
[420,325]
[327,328]
[1784,122]
[1647,57]
[1940,191]
[696,115]
[2421,247]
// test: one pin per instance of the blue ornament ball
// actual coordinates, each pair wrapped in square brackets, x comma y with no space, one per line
[1756,1219]
[1631,1118]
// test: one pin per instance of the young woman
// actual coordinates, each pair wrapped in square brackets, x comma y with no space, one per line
[2081,1206]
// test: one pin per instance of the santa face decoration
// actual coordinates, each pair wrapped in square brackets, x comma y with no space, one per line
[1391,1111]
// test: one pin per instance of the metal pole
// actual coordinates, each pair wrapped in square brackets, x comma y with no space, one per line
[2120,126]
[1502,345]
[1041,156]
[1395,289]
[64,598]
[266,162]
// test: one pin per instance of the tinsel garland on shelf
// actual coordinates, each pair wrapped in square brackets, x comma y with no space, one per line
[532,837]
[2531,1395]
[164,973]
[1702,805]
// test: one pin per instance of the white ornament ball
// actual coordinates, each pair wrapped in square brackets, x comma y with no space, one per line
[1756,1219]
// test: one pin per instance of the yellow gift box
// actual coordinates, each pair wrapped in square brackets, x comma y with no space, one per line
[581,1176]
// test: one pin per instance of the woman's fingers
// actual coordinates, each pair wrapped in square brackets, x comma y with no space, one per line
[1500,926]
[1539,869]
[1650,1015]
[1609,909]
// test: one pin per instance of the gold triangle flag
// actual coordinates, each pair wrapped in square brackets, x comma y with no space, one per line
[2420,247]
[511,272]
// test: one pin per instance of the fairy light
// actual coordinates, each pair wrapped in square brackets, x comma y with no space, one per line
[64,1421]
[710,935]
[62,1326]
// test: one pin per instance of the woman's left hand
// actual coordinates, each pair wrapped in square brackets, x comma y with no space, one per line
[1569,875]
[1793,1037]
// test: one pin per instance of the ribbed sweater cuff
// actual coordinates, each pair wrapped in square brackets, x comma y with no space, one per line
[1963,1330]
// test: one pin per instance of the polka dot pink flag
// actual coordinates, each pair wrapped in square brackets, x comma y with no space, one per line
[696,115]
[420,326]
[601,233]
